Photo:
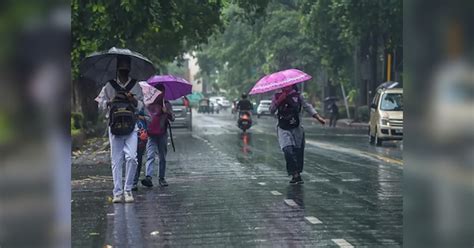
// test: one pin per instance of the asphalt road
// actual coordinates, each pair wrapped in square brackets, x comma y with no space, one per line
[229,189]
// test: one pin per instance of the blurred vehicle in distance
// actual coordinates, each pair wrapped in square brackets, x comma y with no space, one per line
[205,106]
[220,101]
[386,114]
[263,108]
[183,114]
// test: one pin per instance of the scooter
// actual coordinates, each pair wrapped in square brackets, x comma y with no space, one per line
[245,121]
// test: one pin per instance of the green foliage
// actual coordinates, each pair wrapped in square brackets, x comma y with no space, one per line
[161,30]
[363,113]
[77,121]
[245,51]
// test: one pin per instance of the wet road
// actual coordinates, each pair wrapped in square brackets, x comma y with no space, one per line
[229,189]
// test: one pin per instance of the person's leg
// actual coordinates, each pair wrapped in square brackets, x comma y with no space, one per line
[116,154]
[300,156]
[140,151]
[162,151]
[151,148]
[130,149]
[290,158]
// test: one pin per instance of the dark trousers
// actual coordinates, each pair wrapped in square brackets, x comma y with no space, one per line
[333,120]
[294,158]
[140,152]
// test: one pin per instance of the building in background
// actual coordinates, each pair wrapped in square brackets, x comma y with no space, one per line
[192,72]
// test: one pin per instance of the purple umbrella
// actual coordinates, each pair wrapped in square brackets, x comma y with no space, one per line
[175,87]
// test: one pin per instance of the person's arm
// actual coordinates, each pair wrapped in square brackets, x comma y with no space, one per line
[147,116]
[273,105]
[311,111]
[169,110]
[103,99]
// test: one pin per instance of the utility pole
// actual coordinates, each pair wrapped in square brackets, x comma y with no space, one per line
[345,101]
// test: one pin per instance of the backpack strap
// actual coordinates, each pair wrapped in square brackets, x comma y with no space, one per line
[130,85]
[115,85]
[127,88]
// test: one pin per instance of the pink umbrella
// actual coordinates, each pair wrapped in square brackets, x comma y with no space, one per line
[279,80]
[150,93]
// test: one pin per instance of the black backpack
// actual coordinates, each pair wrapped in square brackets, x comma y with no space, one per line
[122,117]
[289,112]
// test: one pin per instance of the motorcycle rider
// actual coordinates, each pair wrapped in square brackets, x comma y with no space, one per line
[244,105]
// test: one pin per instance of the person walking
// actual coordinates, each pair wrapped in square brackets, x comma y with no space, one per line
[142,141]
[121,98]
[158,115]
[334,111]
[287,104]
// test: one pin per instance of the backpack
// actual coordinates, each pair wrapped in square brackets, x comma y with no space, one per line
[159,121]
[289,112]
[122,117]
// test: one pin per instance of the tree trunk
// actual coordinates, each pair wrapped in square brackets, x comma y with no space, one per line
[87,91]
[373,64]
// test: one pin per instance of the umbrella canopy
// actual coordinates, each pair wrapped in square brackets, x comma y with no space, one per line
[279,80]
[175,87]
[149,93]
[101,67]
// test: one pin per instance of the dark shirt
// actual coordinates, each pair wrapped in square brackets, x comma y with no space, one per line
[244,105]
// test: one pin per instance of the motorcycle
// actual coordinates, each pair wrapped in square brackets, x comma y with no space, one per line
[245,121]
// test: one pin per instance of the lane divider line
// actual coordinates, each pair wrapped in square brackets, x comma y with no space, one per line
[351,180]
[274,192]
[342,243]
[313,220]
[291,203]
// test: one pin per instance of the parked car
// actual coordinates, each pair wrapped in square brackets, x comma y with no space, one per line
[386,114]
[183,114]
[263,108]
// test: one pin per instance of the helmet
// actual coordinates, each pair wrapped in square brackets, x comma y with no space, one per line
[244,95]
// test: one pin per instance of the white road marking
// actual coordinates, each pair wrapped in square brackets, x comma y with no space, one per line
[290,203]
[154,233]
[274,192]
[313,220]
[262,183]
[319,180]
[342,243]
[351,180]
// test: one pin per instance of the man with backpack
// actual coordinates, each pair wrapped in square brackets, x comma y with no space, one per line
[122,97]
[288,104]
[158,115]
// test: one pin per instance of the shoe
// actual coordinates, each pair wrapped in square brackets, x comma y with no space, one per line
[163,182]
[147,182]
[128,196]
[293,180]
[117,199]
[299,180]
[134,187]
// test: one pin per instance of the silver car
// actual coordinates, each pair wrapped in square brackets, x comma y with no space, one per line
[183,114]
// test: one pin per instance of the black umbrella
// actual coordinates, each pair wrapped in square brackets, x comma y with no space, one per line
[102,66]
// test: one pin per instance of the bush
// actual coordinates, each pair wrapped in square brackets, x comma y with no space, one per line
[343,112]
[363,113]
[77,120]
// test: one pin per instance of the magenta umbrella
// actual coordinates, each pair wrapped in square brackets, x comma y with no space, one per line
[175,87]
[279,80]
